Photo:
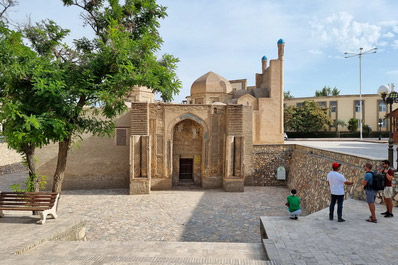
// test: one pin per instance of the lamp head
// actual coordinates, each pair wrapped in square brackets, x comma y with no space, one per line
[383,91]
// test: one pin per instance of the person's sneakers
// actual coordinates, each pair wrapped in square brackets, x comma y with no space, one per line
[292,217]
[331,218]
[341,220]
[295,218]
[389,215]
[386,212]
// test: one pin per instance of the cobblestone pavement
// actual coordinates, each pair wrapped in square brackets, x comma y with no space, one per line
[176,215]
[183,214]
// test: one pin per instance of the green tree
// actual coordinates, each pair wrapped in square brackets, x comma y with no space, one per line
[4,6]
[353,125]
[95,76]
[367,129]
[309,117]
[338,124]
[29,89]
[287,95]
[327,91]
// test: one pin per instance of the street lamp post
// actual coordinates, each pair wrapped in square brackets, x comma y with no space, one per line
[380,123]
[389,99]
[349,55]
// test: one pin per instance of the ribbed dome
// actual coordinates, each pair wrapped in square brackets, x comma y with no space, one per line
[211,83]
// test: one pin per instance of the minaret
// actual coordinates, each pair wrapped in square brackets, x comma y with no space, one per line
[281,53]
[281,49]
[264,64]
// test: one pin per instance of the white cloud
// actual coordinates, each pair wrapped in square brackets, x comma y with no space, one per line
[341,31]
[315,51]
[388,35]
[395,44]
[382,43]
[393,72]
[390,23]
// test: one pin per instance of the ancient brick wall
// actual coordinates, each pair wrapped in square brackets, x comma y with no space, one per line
[266,160]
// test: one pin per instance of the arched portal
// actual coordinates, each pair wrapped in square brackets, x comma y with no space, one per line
[187,152]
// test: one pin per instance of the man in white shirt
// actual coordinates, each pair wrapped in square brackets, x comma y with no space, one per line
[336,184]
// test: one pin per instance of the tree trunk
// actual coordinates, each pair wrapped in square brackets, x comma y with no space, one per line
[61,165]
[29,151]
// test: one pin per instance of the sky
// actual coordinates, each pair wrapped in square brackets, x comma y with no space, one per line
[230,37]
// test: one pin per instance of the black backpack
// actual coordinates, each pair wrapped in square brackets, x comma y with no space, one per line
[378,181]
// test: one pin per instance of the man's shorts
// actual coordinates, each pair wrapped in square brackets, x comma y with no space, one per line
[371,196]
[388,192]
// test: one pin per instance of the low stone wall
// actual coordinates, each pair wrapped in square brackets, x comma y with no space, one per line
[10,161]
[309,168]
[266,160]
[306,171]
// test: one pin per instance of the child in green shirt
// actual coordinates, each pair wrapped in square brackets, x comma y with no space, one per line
[293,202]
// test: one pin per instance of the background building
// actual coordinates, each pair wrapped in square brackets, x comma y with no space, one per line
[345,107]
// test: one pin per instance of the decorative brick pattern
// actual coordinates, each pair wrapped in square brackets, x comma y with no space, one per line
[139,119]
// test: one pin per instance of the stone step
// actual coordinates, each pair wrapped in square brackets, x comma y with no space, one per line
[149,252]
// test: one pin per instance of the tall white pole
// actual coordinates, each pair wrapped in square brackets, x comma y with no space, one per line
[349,55]
[360,92]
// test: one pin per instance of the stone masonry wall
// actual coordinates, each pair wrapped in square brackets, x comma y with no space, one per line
[309,168]
[10,161]
[266,160]
[306,171]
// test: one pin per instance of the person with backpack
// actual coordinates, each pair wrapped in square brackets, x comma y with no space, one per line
[370,192]
[336,183]
[388,173]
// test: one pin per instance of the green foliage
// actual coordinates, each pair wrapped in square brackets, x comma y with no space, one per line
[287,95]
[366,129]
[339,123]
[353,125]
[309,117]
[30,184]
[327,91]
[52,92]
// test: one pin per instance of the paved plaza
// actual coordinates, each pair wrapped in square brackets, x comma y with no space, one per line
[371,148]
[177,215]
[316,240]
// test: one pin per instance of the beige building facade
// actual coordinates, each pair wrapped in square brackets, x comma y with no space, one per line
[345,107]
[208,141]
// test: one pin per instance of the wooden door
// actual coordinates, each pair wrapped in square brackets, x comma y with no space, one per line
[186,168]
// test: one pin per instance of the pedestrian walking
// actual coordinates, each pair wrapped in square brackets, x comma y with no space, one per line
[370,193]
[388,173]
[336,182]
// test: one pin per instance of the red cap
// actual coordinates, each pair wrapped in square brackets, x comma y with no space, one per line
[336,165]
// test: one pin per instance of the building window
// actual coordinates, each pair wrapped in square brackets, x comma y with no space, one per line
[334,124]
[333,106]
[299,104]
[357,105]
[121,136]
[322,104]
[382,106]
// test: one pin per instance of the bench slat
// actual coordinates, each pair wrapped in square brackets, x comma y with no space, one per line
[27,199]
[32,193]
[26,196]
[24,208]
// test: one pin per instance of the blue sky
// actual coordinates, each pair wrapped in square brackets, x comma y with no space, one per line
[229,37]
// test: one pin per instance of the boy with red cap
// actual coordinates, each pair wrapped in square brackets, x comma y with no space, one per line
[336,183]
